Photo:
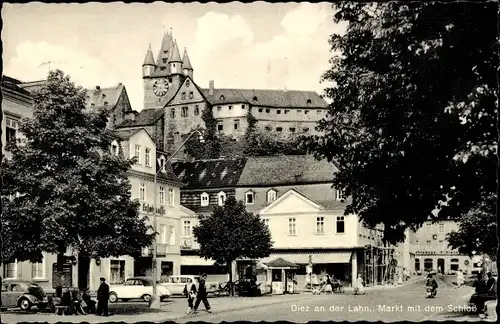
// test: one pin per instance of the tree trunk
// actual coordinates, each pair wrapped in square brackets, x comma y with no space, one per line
[230,265]
[60,268]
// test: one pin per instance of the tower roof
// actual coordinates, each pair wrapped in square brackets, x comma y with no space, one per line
[186,63]
[166,44]
[149,60]
[175,56]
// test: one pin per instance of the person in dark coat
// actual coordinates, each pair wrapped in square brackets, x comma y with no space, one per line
[190,293]
[202,295]
[102,298]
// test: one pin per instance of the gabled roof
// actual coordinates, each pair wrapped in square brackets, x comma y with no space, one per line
[268,98]
[285,169]
[281,263]
[184,77]
[292,192]
[188,211]
[125,134]
[104,97]
[217,173]
[14,85]
[145,117]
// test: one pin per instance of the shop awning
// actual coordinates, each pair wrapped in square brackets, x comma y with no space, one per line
[318,257]
[194,260]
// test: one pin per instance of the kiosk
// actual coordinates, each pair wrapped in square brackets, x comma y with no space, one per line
[281,273]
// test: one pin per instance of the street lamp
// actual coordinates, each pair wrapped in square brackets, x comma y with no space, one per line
[155,301]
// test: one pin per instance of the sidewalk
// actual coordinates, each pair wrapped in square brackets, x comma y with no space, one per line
[175,309]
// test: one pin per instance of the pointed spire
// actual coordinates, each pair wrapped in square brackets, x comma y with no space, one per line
[175,56]
[186,63]
[149,60]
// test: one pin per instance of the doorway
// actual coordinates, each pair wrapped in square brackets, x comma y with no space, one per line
[440,264]
[83,273]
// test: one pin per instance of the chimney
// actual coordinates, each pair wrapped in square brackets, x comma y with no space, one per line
[211,86]
[97,88]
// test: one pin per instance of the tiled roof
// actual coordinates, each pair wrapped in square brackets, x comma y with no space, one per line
[269,98]
[14,85]
[125,134]
[175,56]
[209,173]
[145,117]
[287,169]
[186,62]
[149,59]
[104,97]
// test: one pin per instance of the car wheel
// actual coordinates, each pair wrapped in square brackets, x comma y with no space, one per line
[113,298]
[25,304]
[146,298]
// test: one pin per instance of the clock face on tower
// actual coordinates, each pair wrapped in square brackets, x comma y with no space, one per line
[160,87]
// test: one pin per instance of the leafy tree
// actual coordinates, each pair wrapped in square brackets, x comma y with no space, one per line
[231,232]
[412,118]
[210,148]
[251,140]
[72,192]
[477,230]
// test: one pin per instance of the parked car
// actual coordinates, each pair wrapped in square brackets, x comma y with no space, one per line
[176,284]
[136,288]
[23,294]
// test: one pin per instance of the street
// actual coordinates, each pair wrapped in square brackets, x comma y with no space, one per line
[406,302]
[403,303]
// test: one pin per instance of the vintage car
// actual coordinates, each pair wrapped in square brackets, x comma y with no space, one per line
[176,284]
[136,288]
[23,294]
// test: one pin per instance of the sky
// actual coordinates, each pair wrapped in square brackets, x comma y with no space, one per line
[250,46]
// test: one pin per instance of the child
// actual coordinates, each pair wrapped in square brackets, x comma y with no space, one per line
[190,292]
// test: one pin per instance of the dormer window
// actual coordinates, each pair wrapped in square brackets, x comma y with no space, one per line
[249,198]
[103,95]
[254,98]
[161,162]
[163,68]
[222,98]
[221,198]
[340,195]
[204,199]
[164,60]
[308,101]
[271,195]
[105,103]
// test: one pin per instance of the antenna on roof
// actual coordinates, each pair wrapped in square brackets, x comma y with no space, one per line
[49,62]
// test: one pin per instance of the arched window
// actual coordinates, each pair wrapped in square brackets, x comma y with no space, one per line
[271,195]
[221,198]
[205,199]
[222,98]
[172,113]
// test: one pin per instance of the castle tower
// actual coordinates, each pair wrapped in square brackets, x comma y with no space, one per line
[174,60]
[187,68]
[162,66]
[148,67]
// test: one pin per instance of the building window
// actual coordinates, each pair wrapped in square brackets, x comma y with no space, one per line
[147,157]
[286,111]
[299,112]
[417,264]
[172,235]
[117,271]
[196,110]
[236,124]
[191,95]
[249,198]
[220,127]
[204,199]
[161,162]
[222,98]
[292,129]
[418,245]
[114,149]
[266,221]
[292,226]
[177,136]
[142,192]
[219,108]
[183,96]
[306,112]
[320,225]
[221,198]
[10,270]
[230,107]
[441,245]
[268,111]
[308,101]
[340,224]
[162,195]
[172,113]
[340,195]
[184,112]
[171,197]
[428,245]
[271,196]
[164,60]
[318,112]
[38,270]
[138,154]
[268,128]
[305,130]
[279,129]
[441,228]
[261,110]
[163,234]
[242,106]
[162,68]
[187,228]
[278,112]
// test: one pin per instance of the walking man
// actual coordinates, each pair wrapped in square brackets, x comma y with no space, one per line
[202,295]
[102,298]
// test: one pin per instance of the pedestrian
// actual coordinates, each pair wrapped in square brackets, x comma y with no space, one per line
[359,289]
[190,292]
[479,284]
[102,298]
[460,278]
[202,294]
